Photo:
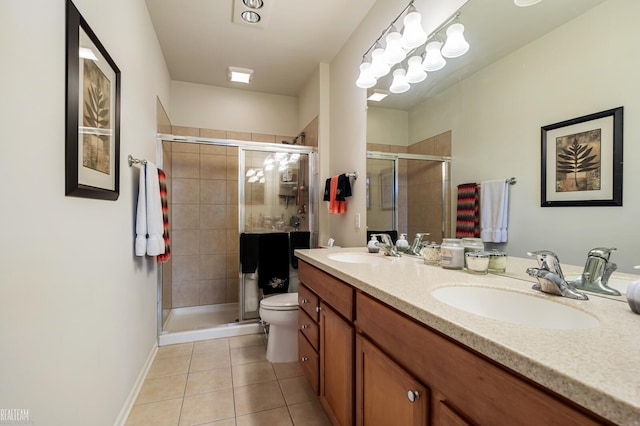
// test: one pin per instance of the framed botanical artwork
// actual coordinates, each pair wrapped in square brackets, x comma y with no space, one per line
[582,161]
[92,143]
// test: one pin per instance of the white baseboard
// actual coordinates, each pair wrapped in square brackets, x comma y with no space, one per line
[133,395]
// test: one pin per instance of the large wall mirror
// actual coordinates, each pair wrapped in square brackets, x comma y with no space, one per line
[528,67]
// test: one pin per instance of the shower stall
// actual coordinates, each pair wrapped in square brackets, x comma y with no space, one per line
[218,189]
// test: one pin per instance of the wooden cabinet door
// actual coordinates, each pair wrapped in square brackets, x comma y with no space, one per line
[336,366]
[386,394]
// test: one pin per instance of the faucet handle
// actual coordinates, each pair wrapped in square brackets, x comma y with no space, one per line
[548,260]
[603,252]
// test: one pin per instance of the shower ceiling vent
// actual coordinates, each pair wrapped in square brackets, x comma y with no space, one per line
[252,13]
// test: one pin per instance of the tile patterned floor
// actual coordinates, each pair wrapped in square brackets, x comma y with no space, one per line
[224,382]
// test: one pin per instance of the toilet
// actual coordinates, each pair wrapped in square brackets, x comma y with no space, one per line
[281,312]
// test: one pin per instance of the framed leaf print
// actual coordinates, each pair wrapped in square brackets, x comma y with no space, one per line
[582,161]
[92,143]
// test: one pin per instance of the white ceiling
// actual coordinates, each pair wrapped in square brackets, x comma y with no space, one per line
[199,40]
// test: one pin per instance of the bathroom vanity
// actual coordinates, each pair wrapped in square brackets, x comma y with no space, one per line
[379,348]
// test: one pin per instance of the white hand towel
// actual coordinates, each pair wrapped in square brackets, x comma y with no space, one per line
[494,203]
[149,229]
[141,215]
[155,240]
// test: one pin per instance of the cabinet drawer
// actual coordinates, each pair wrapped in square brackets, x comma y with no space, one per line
[309,302]
[328,288]
[309,328]
[309,362]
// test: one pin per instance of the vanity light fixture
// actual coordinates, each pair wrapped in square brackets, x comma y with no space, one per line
[410,43]
[456,45]
[400,83]
[239,75]
[377,95]
[525,3]
[415,71]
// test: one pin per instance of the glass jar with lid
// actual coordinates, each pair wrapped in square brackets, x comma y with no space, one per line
[452,253]
[497,261]
[477,262]
[431,253]
[472,244]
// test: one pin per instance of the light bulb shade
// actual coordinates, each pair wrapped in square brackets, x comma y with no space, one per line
[393,53]
[415,72]
[525,3]
[379,67]
[366,78]
[400,83]
[433,60]
[455,45]
[413,35]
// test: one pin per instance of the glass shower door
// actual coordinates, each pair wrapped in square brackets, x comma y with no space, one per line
[274,196]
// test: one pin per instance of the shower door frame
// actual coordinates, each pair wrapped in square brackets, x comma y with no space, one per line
[395,157]
[241,145]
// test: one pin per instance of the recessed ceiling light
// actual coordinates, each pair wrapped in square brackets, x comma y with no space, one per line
[239,75]
[253,4]
[378,95]
[250,16]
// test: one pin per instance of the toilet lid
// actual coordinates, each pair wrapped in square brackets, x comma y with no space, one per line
[281,302]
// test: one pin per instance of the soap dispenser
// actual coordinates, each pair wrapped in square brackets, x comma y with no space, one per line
[402,245]
[372,245]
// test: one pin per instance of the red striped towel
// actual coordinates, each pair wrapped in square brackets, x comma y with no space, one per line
[468,211]
[162,179]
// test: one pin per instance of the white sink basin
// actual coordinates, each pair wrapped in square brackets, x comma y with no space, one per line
[357,258]
[515,308]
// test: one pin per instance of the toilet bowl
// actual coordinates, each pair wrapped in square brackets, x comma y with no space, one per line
[281,312]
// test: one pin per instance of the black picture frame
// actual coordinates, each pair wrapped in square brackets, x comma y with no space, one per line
[92,140]
[582,161]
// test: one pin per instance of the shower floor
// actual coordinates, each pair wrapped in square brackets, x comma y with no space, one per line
[204,322]
[199,317]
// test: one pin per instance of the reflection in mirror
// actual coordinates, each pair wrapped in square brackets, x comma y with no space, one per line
[409,191]
[527,68]
[276,194]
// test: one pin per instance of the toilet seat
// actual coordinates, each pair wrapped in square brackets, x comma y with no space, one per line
[280,302]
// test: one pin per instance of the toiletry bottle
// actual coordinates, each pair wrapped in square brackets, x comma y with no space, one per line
[402,244]
[372,245]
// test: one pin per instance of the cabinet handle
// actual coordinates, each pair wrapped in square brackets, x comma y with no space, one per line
[304,326]
[304,359]
[413,395]
[303,301]
[317,308]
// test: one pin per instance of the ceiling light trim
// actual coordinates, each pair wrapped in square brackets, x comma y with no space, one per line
[239,75]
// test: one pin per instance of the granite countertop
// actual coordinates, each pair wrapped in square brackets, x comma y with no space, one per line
[598,368]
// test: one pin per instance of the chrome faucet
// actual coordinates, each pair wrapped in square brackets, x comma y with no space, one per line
[550,277]
[597,271]
[387,245]
[416,245]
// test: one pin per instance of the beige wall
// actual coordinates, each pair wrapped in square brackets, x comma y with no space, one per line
[79,309]
[197,105]
[387,126]
[496,128]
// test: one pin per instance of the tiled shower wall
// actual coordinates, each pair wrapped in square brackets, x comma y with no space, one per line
[425,188]
[203,206]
